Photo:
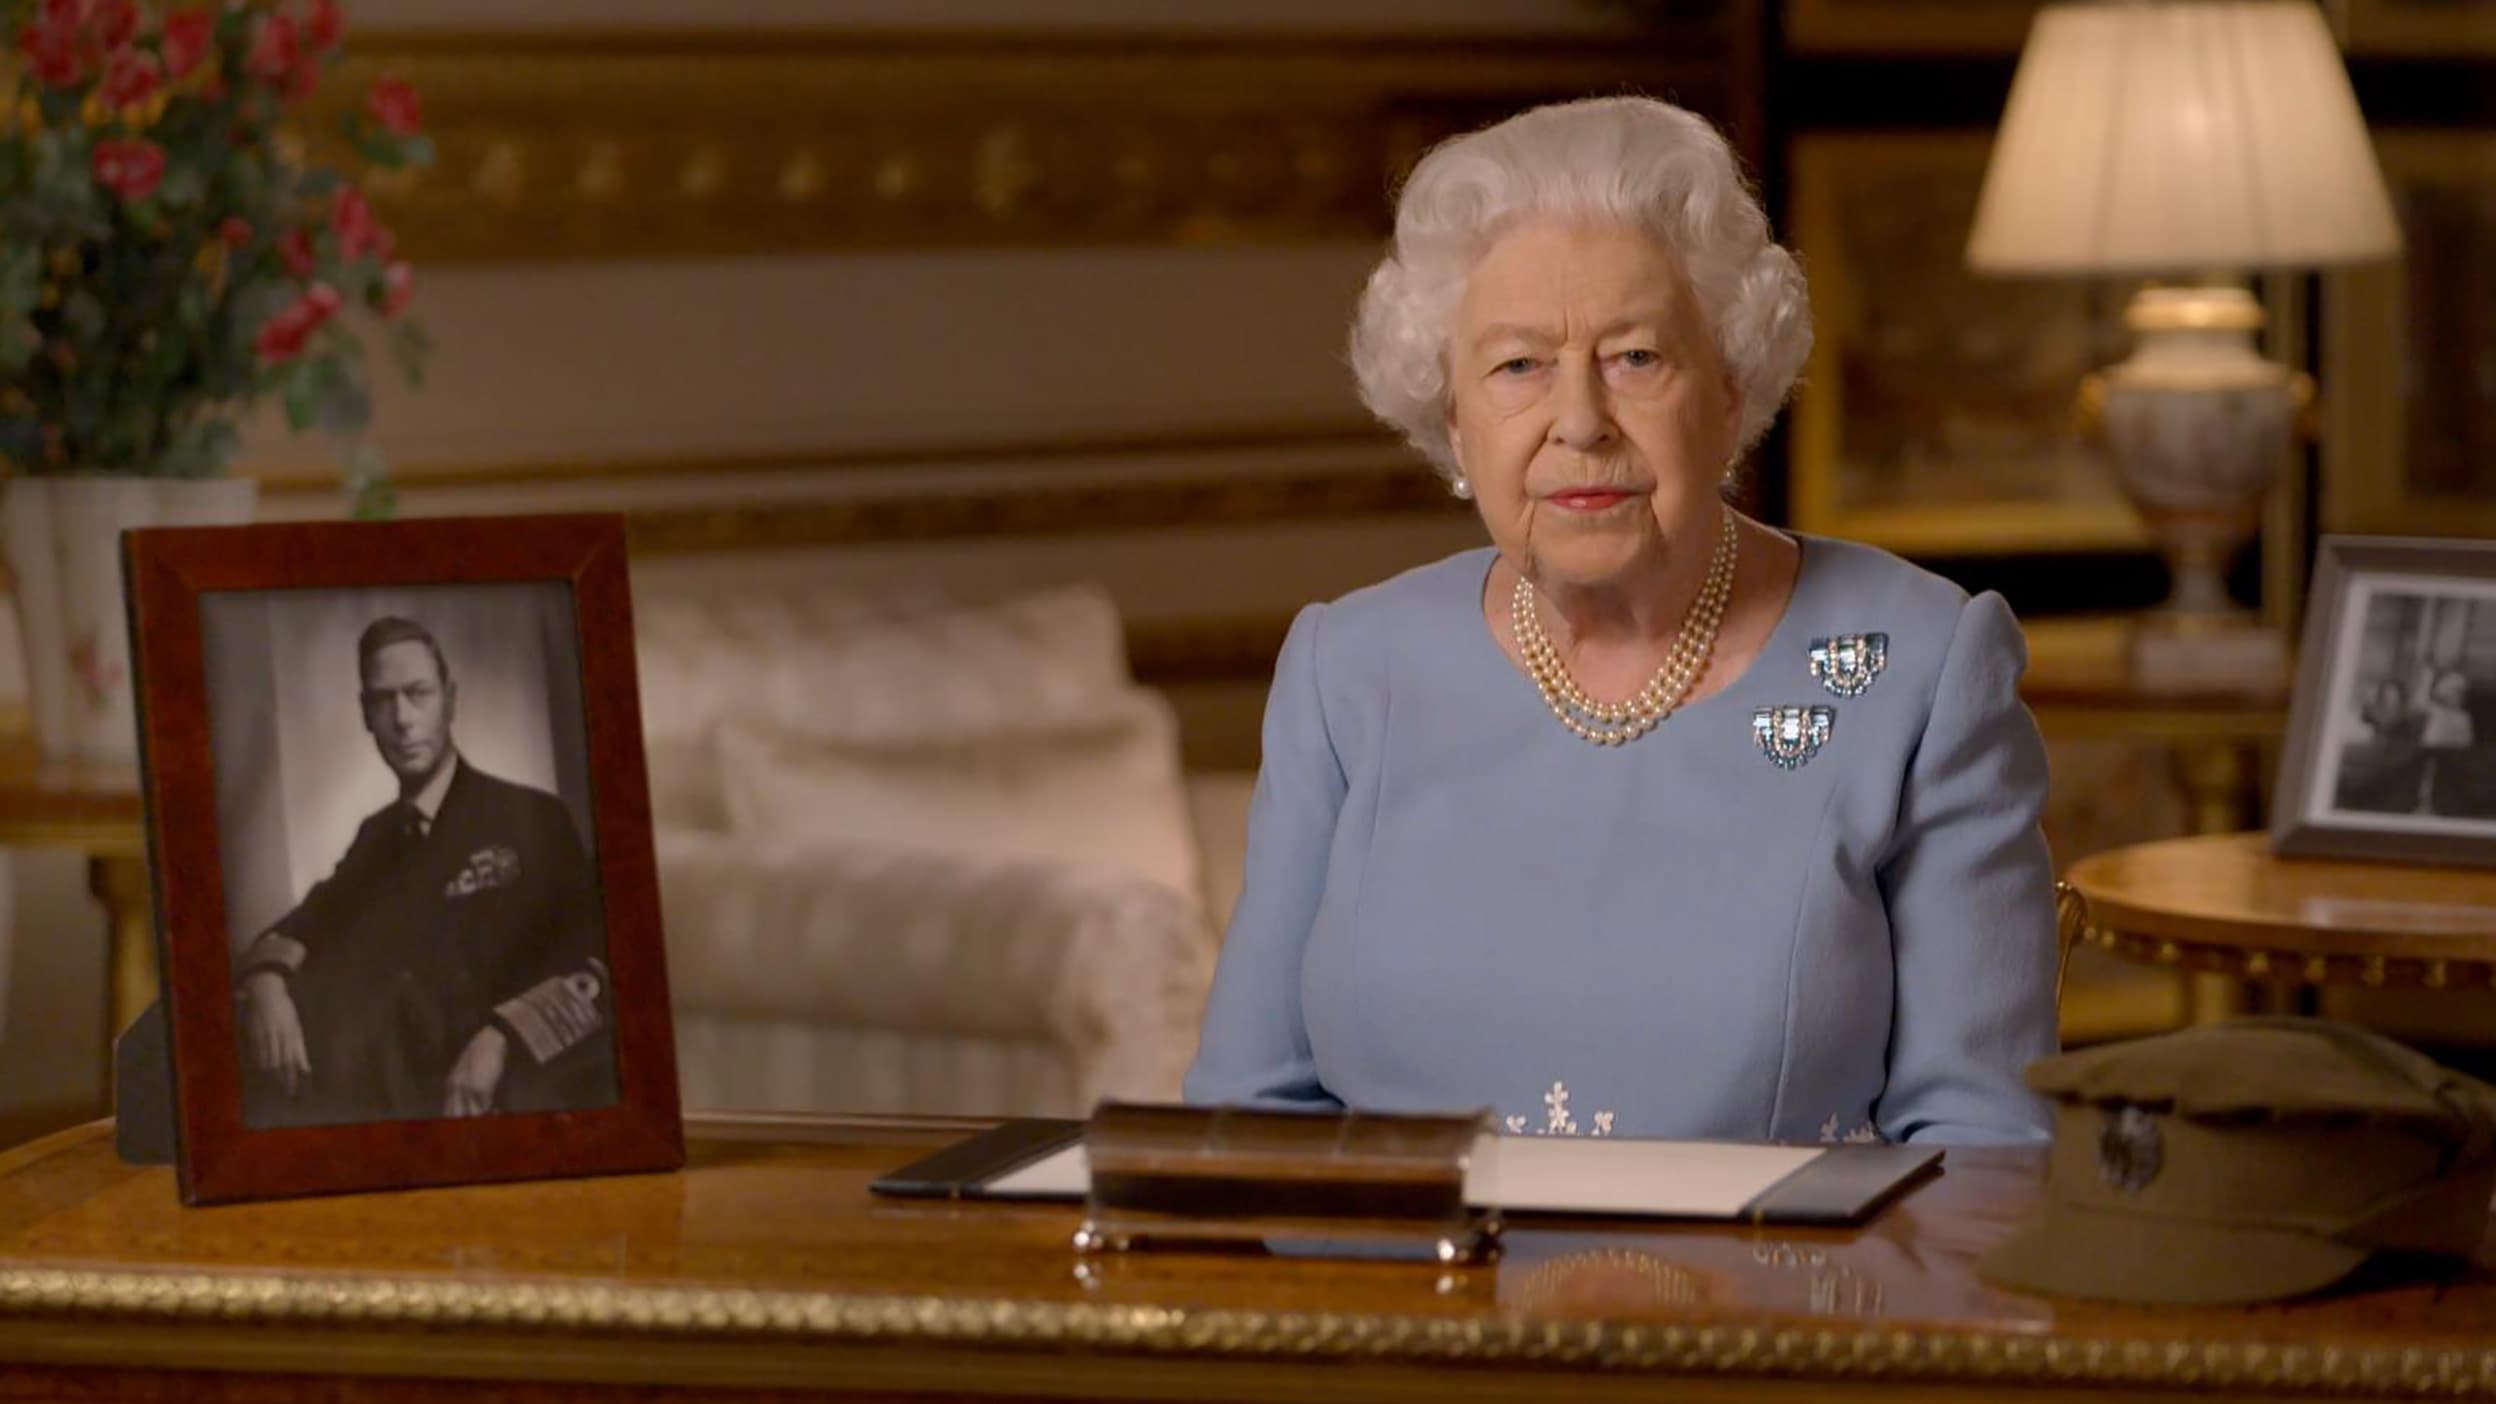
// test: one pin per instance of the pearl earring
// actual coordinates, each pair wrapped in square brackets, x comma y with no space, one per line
[1461,487]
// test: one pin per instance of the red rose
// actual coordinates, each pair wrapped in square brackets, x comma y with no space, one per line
[359,231]
[188,35]
[65,14]
[294,250]
[283,336]
[128,168]
[116,22]
[52,55]
[394,104]
[274,52]
[235,231]
[398,284]
[324,26]
[130,76]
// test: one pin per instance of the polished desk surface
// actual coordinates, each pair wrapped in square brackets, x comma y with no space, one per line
[2223,900]
[766,1264]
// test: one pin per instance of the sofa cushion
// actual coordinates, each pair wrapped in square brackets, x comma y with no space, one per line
[750,1062]
[830,664]
[1109,968]
[1100,791]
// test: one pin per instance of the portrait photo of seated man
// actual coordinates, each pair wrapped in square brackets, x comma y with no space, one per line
[451,964]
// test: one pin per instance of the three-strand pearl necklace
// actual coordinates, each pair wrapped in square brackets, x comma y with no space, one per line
[1616,723]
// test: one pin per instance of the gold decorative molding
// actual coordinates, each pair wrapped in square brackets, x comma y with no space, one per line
[710,144]
[1321,473]
[2301,967]
[1044,510]
[1899,1354]
[968,453]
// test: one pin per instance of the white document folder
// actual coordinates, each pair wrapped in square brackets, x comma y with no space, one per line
[1558,1175]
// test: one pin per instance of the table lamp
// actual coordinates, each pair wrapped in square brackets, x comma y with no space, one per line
[2187,142]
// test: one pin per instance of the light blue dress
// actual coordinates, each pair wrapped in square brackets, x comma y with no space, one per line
[1451,902]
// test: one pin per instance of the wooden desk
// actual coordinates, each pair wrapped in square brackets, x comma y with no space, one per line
[95,809]
[766,1265]
[2222,903]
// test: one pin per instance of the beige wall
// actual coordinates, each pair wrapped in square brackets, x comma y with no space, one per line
[782,357]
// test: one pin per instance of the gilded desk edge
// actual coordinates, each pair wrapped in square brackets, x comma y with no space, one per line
[1899,1355]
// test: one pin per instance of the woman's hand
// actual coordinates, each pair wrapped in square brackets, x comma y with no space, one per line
[477,1073]
[273,1031]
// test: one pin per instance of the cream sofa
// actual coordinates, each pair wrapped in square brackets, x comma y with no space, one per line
[928,857]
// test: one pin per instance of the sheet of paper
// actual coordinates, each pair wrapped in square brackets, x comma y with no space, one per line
[1586,1175]
[1057,1175]
[1583,1175]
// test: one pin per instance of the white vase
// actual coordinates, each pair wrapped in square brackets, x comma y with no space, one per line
[62,537]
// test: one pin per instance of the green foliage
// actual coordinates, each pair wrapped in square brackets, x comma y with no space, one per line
[168,260]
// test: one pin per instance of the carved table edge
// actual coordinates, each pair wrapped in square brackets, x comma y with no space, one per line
[1901,1354]
[2076,926]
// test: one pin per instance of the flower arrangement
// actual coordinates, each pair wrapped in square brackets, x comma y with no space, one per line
[169,258]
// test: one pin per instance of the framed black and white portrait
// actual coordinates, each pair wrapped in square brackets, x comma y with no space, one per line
[2391,748]
[401,846]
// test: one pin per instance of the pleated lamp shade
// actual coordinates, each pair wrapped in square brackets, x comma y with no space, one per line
[2146,137]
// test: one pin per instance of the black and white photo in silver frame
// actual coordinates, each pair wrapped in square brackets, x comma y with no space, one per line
[408,852]
[2392,746]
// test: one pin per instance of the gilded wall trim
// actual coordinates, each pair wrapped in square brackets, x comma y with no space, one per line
[680,145]
[1897,1354]
[968,453]
[1214,481]
[1042,510]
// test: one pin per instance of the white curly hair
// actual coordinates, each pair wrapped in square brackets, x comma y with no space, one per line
[1628,160]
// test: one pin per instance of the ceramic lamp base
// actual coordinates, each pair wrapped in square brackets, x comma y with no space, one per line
[2199,424]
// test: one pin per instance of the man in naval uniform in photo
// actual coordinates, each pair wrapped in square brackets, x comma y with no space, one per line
[452,964]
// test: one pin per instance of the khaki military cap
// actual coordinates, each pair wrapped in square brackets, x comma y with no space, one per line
[2250,1160]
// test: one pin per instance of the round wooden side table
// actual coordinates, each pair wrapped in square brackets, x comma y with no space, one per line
[2222,903]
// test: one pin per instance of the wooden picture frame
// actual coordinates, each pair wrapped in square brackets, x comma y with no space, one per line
[2409,441]
[2391,747]
[1938,414]
[514,907]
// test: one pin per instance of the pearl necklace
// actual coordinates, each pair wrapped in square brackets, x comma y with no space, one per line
[1615,723]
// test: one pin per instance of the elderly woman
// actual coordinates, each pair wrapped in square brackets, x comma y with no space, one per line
[1647,820]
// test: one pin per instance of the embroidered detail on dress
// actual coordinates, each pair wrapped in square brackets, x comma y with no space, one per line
[1557,1120]
[1791,736]
[1847,663]
[1863,1135]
